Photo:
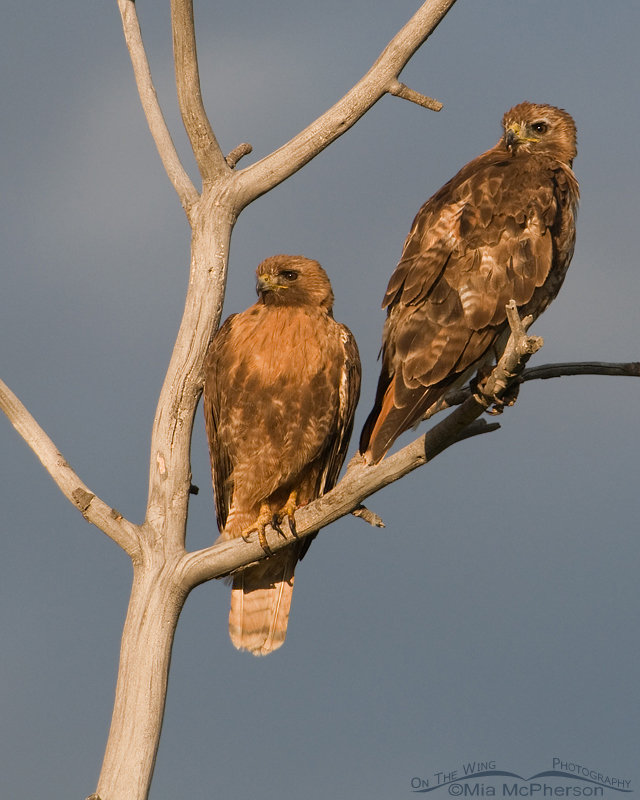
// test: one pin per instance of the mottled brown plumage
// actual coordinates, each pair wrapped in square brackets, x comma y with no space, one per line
[503,228]
[282,381]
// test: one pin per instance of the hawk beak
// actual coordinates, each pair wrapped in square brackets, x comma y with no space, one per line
[266,283]
[512,136]
[516,134]
[263,284]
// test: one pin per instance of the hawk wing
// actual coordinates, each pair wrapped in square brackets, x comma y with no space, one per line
[216,370]
[335,452]
[485,238]
[349,394]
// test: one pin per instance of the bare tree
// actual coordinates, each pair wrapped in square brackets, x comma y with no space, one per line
[164,572]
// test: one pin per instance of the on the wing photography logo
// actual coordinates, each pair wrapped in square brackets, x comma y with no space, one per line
[484,779]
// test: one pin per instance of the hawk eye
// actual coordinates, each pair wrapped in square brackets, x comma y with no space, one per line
[289,275]
[540,127]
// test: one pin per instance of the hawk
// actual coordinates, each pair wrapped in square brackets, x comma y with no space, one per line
[282,381]
[503,228]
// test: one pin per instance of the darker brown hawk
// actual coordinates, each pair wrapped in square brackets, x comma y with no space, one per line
[503,228]
[282,381]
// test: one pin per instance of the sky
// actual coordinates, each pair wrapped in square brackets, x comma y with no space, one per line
[495,618]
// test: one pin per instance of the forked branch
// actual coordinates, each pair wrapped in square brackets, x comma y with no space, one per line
[177,175]
[182,385]
[381,79]
[205,146]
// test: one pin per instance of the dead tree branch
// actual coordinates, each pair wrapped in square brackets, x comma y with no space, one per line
[546,372]
[91,507]
[177,175]
[381,79]
[205,146]
[237,153]
[400,90]
[359,482]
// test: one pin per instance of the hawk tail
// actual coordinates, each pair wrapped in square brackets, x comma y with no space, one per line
[379,410]
[260,603]
[387,422]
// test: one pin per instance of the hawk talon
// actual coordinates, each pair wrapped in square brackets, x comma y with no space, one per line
[275,524]
[261,538]
[507,400]
[287,512]
[263,541]
[259,526]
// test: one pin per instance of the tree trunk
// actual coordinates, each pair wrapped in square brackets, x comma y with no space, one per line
[155,605]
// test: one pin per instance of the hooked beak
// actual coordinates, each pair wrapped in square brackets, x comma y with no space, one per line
[517,135]
[511,137]
[266,283]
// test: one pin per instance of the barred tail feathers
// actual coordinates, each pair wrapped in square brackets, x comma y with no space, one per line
[260,603]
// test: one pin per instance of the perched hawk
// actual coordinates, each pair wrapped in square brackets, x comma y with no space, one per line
[503,228]
[282,381]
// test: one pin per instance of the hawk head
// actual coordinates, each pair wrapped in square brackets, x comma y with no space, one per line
[531,128]
[293,281]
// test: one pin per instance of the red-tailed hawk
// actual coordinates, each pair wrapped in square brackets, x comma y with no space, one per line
[503,228]
[282,381]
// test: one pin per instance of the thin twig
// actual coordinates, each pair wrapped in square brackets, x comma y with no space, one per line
[368,516]
[237,153]
[177,175]
[544,372]
[400,90]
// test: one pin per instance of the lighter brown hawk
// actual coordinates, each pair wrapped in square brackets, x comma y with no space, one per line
[282,381]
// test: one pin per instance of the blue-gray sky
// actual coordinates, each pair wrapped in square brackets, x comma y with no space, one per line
[496,616]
